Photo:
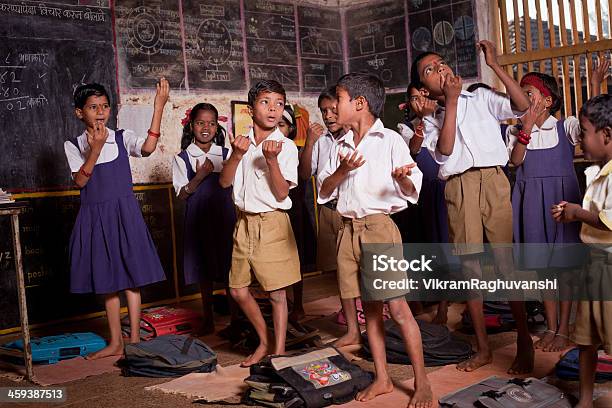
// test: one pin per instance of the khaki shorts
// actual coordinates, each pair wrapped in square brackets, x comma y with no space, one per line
[371,229]
[594,317]
[478,203]
[264,245]
[330,223]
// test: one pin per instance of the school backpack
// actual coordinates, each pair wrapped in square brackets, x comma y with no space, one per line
[498,316]
[568,367]
[311,379]
[161,320]
[497,392]
[167,356]
[440,347]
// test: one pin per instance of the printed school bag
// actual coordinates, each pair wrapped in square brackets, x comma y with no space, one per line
[312,379]
[168,356]
[440,347]
[497,392]
[568,367]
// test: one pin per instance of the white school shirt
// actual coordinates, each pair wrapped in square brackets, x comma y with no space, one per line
[252,191]
[370,189]
[320,155]
[598,199]
[478,141]
[195,154]
[77,156]
[546,137]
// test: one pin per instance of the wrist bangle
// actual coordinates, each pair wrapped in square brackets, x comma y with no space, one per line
[523,137]
[154,134]
[83,172]
[186,188]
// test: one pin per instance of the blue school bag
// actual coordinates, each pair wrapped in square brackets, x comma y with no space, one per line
[568,367]
[51,349]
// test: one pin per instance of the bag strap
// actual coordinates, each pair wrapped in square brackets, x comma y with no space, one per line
[187,345]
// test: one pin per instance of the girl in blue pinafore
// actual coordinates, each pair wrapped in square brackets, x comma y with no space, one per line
[542,149]
[209,212]
[111,249]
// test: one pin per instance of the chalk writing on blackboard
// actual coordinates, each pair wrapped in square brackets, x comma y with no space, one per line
[150,44]
[271,42]
[213,44]
[320,47]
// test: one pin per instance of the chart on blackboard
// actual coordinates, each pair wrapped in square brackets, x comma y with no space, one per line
[214,44]
[320,47]
[377,42]
[149,43]
[271,43]
[44,56]
[448,28]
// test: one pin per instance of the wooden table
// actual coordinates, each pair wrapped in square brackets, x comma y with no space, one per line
[14,209]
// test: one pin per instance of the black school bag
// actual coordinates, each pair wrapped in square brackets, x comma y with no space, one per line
[440,347]
[312,379]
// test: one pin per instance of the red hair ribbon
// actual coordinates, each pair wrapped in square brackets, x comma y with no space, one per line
[187,117]
[222,119]
[537,83]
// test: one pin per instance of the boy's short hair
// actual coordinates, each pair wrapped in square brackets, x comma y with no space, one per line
[329,93]
[367,85]
[598,110]
[265,86]
[415,77]
[85,91]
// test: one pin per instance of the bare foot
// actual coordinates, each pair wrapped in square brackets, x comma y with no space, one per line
[110,350]
[422,397]
[560,343]
[378,387]
[523,362]
[441,318]
[478,360]
[296,315]
[348,339]
[260,352]
[545,340]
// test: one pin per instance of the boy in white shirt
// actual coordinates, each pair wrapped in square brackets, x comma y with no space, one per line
[262,168]
[371,183]
[594,316]
[463,137]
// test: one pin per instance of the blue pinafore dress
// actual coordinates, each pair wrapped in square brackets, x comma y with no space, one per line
[110,246]
[210,217]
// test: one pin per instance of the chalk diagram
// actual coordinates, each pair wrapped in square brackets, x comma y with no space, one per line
[443,33]
[214,41]
[314,44]
[421,39]
[464,27]
[145,32]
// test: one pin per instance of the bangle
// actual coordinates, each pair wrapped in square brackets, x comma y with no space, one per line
[186,188]
[154,134]
[523,137]
[83,172]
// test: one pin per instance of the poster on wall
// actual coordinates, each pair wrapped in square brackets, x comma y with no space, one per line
[241,119]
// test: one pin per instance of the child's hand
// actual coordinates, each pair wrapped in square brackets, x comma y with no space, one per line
[601,71]
[240,145]
[350,162]
[490,52]
[162,94]
[565,212]
[203,170]
[424,107]
[315,130]
[536,109]
[271,149]
[403,171]
[98,138]
[451,86]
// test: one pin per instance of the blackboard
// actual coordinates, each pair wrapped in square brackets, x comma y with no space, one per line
[214,44]
[44,55]
[448,28]
[377,42]
[271,42]
[320,47]
[45,230]
[149,43]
